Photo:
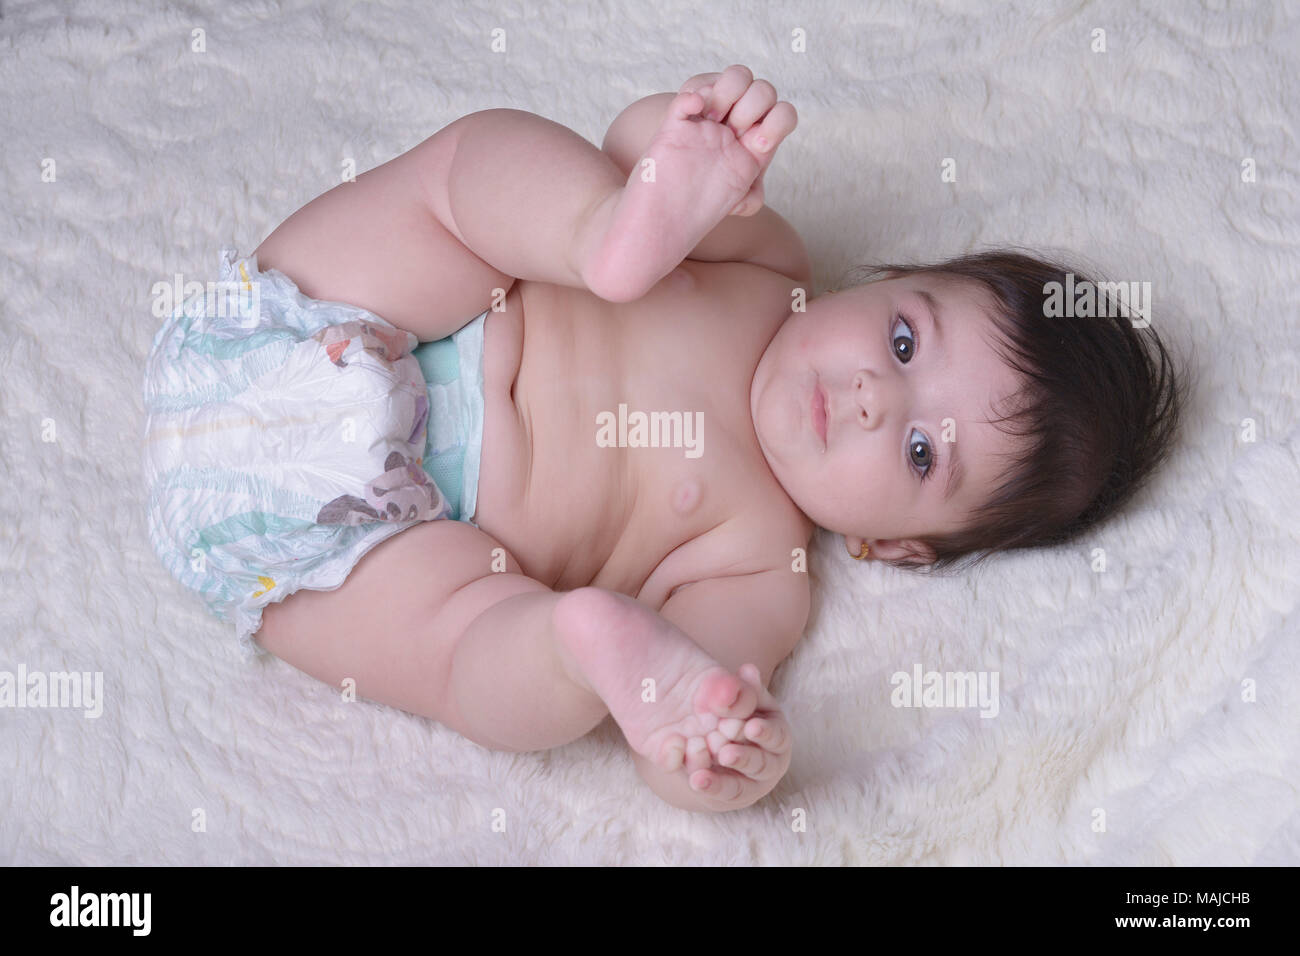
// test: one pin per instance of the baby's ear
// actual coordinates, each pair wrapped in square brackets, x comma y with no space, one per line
[907,549]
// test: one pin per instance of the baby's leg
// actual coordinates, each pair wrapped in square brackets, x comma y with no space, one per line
[535,200]
[375,243]
[427,239]
[422,623]
[436,235]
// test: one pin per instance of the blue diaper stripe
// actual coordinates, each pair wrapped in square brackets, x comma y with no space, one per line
[234,381]
[455,390]
[438,361]
[224,347]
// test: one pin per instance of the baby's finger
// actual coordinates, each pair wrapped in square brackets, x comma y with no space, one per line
[753,200]
[750,674]
[772,735]
[699,80]
[779,123]
[686,105]
[751,107]
[728,88]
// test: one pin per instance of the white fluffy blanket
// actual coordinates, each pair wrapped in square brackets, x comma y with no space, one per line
[1147,712]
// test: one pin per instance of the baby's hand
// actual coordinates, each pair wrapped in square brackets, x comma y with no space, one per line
[695,172]
[755,753]
[750,109]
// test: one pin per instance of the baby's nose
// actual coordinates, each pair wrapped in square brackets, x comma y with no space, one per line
[861,395]
[866,398]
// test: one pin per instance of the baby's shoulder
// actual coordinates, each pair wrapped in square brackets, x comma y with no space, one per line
[751,602]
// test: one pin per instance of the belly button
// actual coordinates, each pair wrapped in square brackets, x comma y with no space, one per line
[686,496]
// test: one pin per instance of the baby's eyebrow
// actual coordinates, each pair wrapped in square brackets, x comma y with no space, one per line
[933,304]
[956,473]
[956,467]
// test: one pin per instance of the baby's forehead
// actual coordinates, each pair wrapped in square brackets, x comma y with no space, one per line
[946,283]
[971,312]
[960,294]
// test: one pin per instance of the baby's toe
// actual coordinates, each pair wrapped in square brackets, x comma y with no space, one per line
[733,728]
[723,694]
[672,752]
[728,730]
[702,780]
[722,787]
[698,756]
[716,742]
[753,762]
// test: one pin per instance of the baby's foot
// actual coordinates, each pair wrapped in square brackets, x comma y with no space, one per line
[728,735]
[695,172]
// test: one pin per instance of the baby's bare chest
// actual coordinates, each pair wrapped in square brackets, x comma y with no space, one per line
[618,445]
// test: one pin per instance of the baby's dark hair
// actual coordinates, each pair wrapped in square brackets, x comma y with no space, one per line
[1098,413]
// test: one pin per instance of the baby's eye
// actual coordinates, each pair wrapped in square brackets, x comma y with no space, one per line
[904,347]
[920,453]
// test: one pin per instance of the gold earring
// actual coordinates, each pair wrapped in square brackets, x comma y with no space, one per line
[866,549]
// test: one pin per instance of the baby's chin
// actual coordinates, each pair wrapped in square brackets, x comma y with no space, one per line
[814,507]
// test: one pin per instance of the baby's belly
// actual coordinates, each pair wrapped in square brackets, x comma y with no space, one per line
[552,503]
[574,511]
[504,453]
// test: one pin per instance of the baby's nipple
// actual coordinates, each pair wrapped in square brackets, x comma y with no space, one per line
[686,496]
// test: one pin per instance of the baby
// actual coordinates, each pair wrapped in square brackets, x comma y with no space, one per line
[926,415]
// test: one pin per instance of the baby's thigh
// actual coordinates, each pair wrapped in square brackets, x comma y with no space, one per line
[375,243]
[384,627]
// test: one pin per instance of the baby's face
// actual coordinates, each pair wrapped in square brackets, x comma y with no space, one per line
[901,403]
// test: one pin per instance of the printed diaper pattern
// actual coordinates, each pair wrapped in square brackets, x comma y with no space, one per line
[284,438]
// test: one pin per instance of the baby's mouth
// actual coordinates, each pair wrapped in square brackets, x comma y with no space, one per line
[820,412]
